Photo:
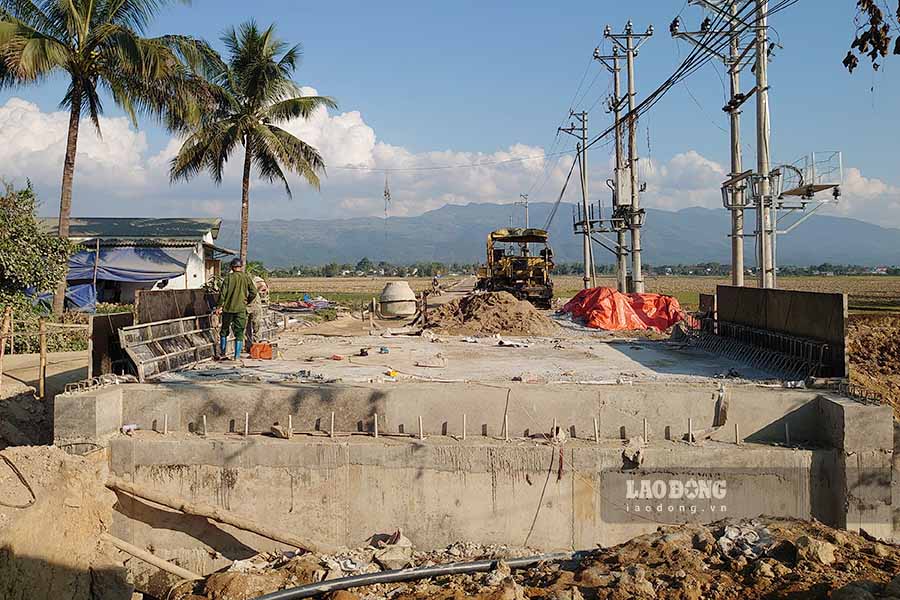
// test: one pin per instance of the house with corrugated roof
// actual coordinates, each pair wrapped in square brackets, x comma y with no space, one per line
[120,255]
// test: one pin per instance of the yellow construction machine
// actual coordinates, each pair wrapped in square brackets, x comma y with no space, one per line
[512,267]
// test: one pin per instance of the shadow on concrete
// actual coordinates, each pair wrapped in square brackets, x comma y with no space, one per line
[198,528]
[30,578]
[802,428]
[676,359]
[826,484]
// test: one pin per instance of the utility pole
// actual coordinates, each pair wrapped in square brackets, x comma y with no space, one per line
[766,271]
[580,131]
[615,105]
[734,111]
[524,203]
[727,10]
[633,41]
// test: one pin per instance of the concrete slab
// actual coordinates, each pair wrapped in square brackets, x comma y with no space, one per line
[571,357]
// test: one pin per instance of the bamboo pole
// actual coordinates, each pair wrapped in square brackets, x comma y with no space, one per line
[210,512]
[42,367]
[152,559]
[7,318]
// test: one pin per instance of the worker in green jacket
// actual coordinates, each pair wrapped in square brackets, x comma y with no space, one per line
[236,293]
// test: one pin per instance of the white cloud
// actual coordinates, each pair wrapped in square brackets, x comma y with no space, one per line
[118,174]
[868,199]
[35,141]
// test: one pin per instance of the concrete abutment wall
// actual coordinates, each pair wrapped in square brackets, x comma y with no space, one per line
[340,491]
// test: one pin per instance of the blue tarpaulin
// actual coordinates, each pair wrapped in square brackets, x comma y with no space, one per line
[134,264]
[82,296]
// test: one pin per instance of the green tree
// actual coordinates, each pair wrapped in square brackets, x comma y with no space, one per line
[256,267]
[29,257]
[98,45]
[365,265]
[254,94]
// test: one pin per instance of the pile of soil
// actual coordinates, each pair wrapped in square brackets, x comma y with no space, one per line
[488,314]
[51,520]
[765,558]
[873,342]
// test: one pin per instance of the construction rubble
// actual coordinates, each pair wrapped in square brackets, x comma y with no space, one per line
[764,558]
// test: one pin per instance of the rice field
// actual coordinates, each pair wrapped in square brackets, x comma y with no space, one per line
[866,293]
[875,293]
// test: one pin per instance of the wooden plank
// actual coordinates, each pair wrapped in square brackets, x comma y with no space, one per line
[153,306]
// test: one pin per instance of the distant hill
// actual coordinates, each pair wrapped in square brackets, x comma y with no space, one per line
[456,233]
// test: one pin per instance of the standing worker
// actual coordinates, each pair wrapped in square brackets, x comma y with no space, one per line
[257,308]
[236,292]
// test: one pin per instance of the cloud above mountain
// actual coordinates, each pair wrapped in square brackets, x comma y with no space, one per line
[119,174]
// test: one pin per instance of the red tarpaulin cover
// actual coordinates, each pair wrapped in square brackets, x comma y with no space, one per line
[606,308]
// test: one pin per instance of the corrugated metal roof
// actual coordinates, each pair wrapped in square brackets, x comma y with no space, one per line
[127,228]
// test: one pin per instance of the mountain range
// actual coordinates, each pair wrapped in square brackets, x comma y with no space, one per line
[457,233]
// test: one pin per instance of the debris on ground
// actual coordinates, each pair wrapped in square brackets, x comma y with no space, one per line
[490,313]
[751,559]
[271,571]
[874,349]
[43,485]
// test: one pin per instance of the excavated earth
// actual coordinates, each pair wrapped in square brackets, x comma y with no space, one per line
[874,348]
[765,558]
[490,313]
[53,510]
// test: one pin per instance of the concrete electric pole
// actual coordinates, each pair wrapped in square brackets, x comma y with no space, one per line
[632,43]
[766,270]
[613,65]
[727,10]
[524,203]
[580,131]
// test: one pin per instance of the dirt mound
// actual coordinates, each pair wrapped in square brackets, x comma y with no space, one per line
[51,519]
[765,558]
[490,313]
[874,348]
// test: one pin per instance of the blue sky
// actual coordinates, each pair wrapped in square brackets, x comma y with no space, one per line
[447,80]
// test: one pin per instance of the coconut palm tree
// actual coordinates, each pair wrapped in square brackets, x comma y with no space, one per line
[255,95]
[99,46]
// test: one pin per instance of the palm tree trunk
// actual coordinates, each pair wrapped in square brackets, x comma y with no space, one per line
[65,199]
[245,201]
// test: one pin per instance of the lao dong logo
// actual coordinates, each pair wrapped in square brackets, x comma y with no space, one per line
[675,489]
[674,497]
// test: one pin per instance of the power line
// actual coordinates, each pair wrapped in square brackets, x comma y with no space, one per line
[561,194]
[695,60]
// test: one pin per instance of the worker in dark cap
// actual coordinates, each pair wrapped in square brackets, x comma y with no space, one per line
[236,292]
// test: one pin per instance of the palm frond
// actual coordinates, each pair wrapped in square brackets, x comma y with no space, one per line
[297,108]
[290,60]
[28,54]
[268,167]
[134,14]
[296,155]
[30,14]
[93,104]
[207,149]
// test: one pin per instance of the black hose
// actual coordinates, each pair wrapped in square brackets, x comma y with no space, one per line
[398,575]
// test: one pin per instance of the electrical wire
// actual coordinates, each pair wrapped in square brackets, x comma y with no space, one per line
[561,194]
[696,59]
